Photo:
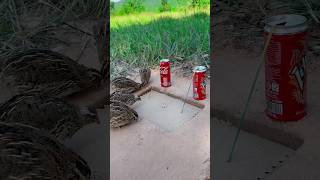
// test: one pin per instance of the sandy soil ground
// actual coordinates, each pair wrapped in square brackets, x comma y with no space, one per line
[254,157]
[163,144]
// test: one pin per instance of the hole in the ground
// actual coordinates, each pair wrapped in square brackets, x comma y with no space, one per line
[267,155]
[165,110]
[277,136]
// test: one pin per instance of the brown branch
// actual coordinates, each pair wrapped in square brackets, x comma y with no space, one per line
[189,101]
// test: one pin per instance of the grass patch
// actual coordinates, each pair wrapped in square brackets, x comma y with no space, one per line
[148,37]
[155,5]
[33,24]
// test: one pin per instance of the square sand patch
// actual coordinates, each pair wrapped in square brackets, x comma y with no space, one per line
[163,144]
[254,157]
[164,111]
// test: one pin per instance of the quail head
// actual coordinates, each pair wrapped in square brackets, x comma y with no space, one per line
[145,74]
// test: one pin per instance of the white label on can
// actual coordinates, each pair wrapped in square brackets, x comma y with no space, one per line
[275,108]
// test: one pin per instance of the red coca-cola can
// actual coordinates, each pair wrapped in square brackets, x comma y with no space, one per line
[199,83]
[285,68]
[165,77]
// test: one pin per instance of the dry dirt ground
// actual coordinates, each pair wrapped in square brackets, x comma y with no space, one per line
[164,143]
[241,26]
[236,53]
[254,158]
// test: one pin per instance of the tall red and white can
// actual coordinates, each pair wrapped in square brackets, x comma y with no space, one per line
[285,68]
[165,76]
[199,83]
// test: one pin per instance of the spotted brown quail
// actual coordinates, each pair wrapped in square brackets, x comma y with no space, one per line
[125,85]
[55,115]
[29,153]
[121,114]
[37,70]
[129,86]
[127,98]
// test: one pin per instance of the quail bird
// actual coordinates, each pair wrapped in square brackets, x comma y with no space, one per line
[127,98]
[54,115]
[29,153]
[125,85]
[37,70]
[129,86]
[121,114]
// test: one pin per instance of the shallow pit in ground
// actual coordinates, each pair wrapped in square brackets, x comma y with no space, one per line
[156,146]
[254,157]
[165,112]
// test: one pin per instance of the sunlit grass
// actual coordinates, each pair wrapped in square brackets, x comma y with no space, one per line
[148,37]
[147,17]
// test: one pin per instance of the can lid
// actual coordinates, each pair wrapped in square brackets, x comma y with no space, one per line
[199,69]
[164,60]
[286,24]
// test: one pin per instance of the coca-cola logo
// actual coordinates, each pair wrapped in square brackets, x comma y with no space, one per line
[164,70]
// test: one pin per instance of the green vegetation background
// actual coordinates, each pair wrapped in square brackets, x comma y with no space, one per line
[144,36]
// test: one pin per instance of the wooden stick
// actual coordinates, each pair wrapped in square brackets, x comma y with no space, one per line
[189,101]
[143,91]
